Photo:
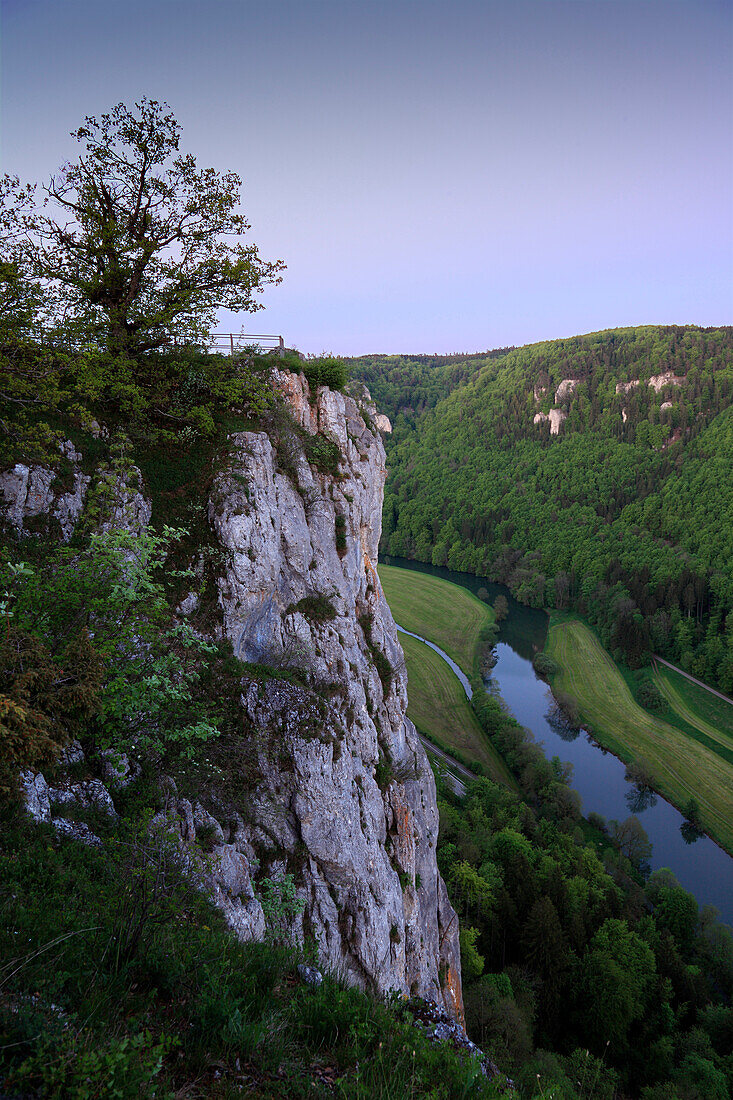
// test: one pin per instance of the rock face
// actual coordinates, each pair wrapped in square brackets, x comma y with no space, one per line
[565,389]
[627,387]
[657,382]
[555,419]
[27,492]
[348,794]
[668,378]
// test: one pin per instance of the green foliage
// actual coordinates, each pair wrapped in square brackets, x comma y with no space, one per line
[501,608]
[384,772]
[322,453]
[544,665]
[571,971]
[120,1068]
[381,662]
[188,1008]
[133,236]
[46,698]
[281,906]
[409,386]
[648,695]
[319,609]
[340,524]
[136,682]
[472,963]
[325,371]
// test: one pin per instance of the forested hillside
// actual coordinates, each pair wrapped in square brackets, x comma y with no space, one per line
[591,473]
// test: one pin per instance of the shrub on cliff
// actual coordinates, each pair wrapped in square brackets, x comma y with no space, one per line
[326,371]
[93,637]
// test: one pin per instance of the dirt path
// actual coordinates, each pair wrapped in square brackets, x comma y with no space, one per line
[687,676]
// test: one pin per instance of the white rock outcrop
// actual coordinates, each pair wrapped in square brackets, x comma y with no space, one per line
[27,492]
[554,418]
[565,390]
[627,387]
[668,378]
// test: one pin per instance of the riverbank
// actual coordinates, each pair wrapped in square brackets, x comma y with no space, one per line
[701,865]
[683,765]
[438,705]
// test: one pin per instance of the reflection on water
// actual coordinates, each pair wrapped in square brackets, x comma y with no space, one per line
[559,724]
[690,833]
[600,779]
[639,799]
[598,776]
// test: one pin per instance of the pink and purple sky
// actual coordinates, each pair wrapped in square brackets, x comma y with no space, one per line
[437,176]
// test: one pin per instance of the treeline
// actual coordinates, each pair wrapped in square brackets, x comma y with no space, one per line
[409,385]
[580,975]
[624,516]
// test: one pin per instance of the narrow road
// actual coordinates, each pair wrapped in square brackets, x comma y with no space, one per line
[457,769]
[687,676]
[455,669]
[453,769]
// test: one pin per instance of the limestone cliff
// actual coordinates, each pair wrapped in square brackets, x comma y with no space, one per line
[350,794]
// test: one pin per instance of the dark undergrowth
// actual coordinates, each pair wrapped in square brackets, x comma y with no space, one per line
[118,979]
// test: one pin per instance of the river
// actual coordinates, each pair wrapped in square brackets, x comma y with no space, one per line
[701,866]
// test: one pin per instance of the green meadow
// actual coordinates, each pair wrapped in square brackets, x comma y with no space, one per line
[683,765]
[437,704]
[709,716]
[442,612]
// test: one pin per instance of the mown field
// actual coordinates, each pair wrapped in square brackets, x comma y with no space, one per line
[444,613]
[437,705]
[710,716]
[682,765]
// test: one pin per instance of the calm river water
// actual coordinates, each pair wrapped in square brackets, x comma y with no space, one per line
[701,866]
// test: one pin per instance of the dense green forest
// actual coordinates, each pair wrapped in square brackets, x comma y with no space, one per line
[583,977]
[624,515]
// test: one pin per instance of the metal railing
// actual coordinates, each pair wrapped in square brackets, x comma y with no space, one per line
[230,342]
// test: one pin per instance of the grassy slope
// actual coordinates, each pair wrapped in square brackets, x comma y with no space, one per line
[697,707]
[681,765]
[75,1024]
[438,705]
[445,613]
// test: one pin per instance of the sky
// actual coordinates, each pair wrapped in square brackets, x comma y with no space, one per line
[437,176]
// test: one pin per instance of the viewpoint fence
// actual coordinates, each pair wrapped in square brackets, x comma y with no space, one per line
[230,343]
